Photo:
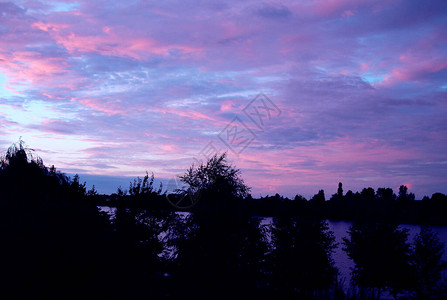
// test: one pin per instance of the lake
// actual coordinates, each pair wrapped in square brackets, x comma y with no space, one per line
[340,229]
[342,261]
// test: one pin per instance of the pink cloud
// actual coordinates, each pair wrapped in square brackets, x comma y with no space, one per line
[364,67]
[170,148]
[186,113]
[227,106]
[109,41]
[412,69]
[23,67]
[109,107]
[48,27]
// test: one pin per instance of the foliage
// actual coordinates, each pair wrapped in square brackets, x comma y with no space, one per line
[221,245]
[381,255]
[427,263]
[138,228]
[215,178]
[46,223]
[140,188]
[301,259]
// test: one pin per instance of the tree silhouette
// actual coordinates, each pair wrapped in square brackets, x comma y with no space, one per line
[139,228]
[385,195]
[403,194]
[427,264]
[340,190]
[302,257]
[220,247]
[54,241]
[215,179]
[318,198]
[368,195]
[381,255]
[317,203]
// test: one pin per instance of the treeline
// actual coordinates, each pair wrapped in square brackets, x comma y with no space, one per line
[378,204]
[56,243]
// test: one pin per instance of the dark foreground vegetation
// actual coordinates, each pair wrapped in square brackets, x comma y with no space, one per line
[56,243]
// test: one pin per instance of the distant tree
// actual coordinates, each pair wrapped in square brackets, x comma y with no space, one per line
[349,194]
[427,264]
[318,198]
[340,190]
[300,198]
[435,209]
[368,195]
[403,191]
[92,192]
[403,194]
[439,198]
[425,199]
[385,194]
[337,205]
[77,188]
[143,189]
[381,255]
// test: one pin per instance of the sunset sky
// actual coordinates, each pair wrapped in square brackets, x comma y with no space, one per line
[354,91]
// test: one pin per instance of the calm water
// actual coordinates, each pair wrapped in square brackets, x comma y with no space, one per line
[340,229]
